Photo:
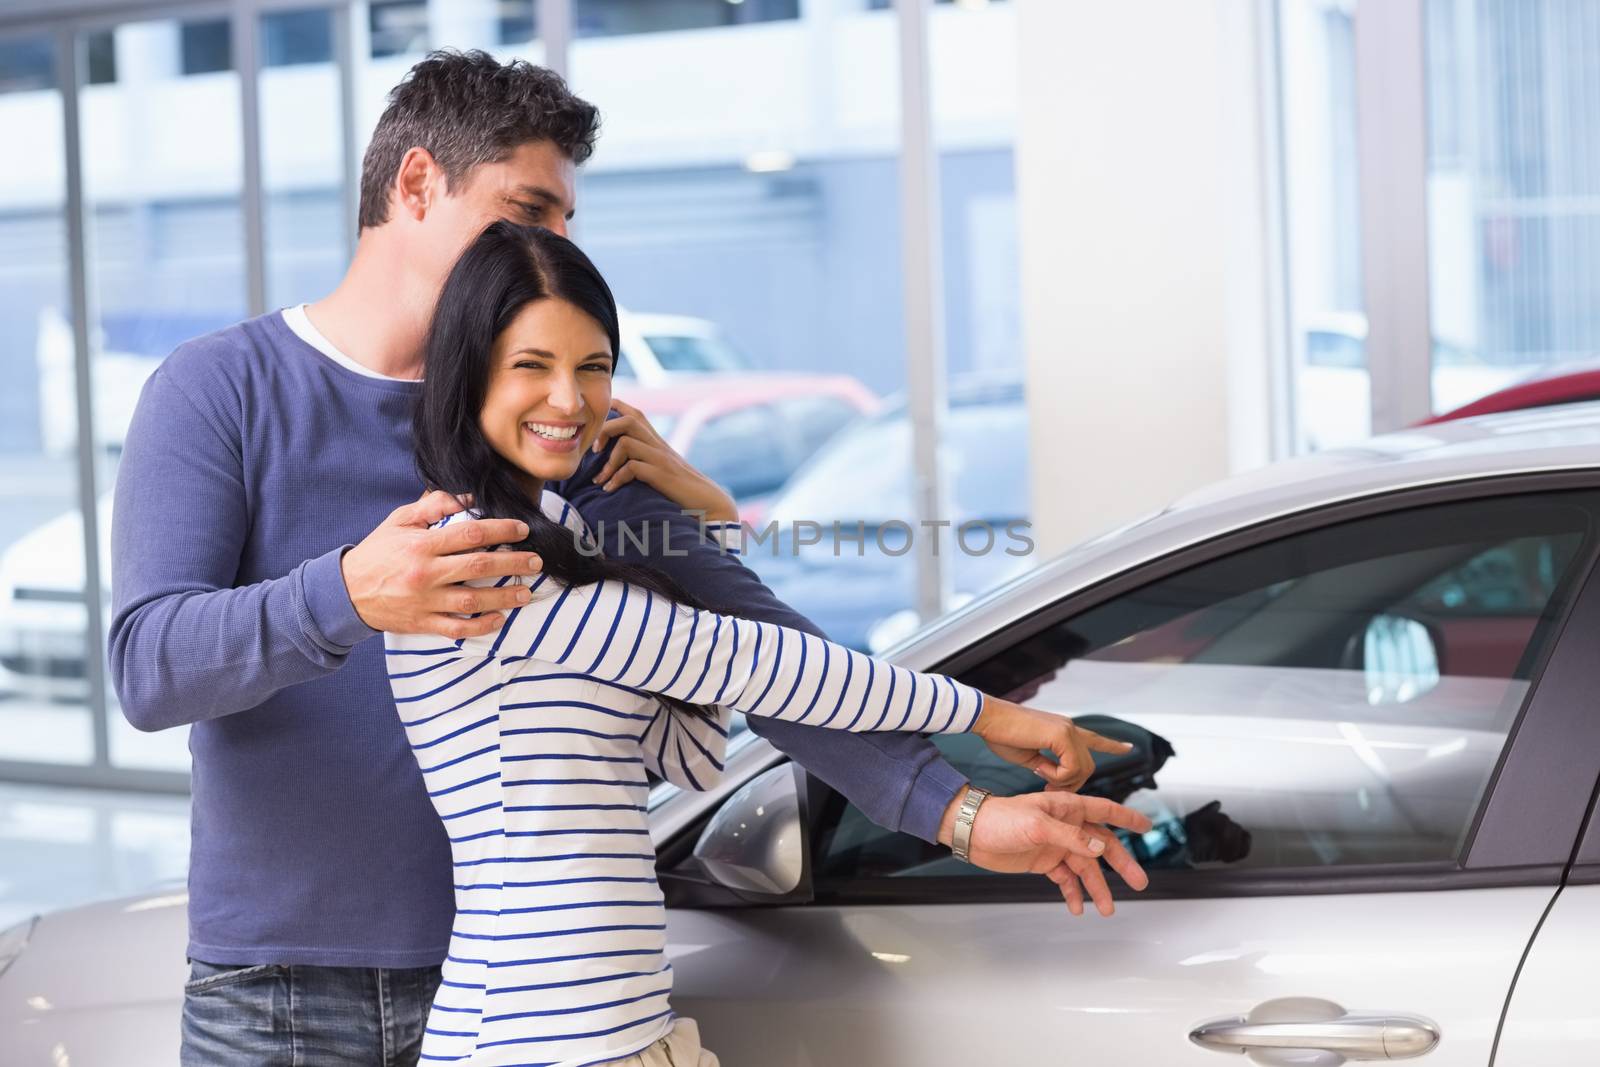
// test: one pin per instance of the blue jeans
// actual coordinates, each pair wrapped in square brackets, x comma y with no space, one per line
[281,1015]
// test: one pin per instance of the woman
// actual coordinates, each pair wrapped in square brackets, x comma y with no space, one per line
[535,741]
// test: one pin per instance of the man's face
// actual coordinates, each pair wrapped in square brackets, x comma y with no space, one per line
[535,185]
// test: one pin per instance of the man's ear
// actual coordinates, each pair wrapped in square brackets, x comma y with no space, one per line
[418,182]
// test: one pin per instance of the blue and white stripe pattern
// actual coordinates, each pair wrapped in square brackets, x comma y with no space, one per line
[534,742]
[729,536]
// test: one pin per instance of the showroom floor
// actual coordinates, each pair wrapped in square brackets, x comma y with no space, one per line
[61,847]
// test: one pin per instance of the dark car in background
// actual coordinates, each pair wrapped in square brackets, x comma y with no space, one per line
[866,597]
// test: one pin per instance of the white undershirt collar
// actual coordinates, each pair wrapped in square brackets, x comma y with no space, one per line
[299,322]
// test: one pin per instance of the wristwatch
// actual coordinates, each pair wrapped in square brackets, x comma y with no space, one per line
[961,838]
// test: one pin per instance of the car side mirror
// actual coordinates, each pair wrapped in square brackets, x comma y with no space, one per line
[758,845]
[1400,659]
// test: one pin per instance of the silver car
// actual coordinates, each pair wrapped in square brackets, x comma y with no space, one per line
[1362,691]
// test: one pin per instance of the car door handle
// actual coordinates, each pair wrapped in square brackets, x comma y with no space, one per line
[1304,1024]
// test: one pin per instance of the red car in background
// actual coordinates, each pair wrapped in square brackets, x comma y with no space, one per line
[750,431]
[1567,384]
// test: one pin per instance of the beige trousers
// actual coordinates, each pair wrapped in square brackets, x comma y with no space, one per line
[681,1048]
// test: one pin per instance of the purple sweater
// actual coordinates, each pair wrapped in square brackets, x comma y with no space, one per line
[251,463]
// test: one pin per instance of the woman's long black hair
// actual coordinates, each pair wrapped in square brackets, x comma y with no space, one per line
[506,268]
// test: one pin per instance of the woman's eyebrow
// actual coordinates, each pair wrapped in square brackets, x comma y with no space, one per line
[542,354]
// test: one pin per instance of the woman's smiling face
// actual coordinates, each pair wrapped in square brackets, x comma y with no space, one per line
[549,389]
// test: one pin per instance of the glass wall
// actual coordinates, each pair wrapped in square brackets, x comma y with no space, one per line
[605,18]
[985,453]
[1327,323]
[166,250]
[44,689]
[308,234]
[1513,191]
[1512,188]
[749,218]
[758,203]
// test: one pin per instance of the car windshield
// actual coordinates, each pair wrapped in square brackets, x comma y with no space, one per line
[864,474]
[683,352]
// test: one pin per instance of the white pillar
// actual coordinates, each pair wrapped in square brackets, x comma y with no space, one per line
[1145,254]
[148,52]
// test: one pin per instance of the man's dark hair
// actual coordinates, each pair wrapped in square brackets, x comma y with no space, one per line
[467,109]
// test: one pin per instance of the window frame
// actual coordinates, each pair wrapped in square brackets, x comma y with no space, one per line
[1525,829]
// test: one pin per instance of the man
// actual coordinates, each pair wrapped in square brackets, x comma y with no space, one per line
[258,550]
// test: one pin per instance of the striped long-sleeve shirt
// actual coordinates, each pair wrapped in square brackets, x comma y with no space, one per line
[534,743]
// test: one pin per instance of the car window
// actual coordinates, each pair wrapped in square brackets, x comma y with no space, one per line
[745,451]
[1326,348]
[1334,697]
[682,352]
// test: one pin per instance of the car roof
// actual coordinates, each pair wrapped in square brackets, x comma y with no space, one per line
[1535,441]
[649,322]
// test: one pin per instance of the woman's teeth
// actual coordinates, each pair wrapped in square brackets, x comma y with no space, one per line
[552,433]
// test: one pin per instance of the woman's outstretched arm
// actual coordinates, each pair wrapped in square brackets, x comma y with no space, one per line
[630,636]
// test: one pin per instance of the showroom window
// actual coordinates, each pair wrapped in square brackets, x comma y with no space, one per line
[100,58]
[397,27]
[518,20]
[45,688]
[206,47]
[1331,698]
[614,18]
[1488,280]
[1327,319]
[974,5]
[290,38]
[307,230]
[747,218]
[1513,191]
[27,64]
[165,264]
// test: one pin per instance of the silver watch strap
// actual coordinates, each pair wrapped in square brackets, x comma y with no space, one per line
[961,838]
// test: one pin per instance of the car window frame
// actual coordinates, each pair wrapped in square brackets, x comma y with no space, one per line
[1525,830]
[1585,869]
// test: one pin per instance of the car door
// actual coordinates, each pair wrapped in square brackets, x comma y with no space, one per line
[1551,1018]
[1357,803]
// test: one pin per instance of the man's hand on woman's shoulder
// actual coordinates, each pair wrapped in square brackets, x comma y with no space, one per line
[405,577]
